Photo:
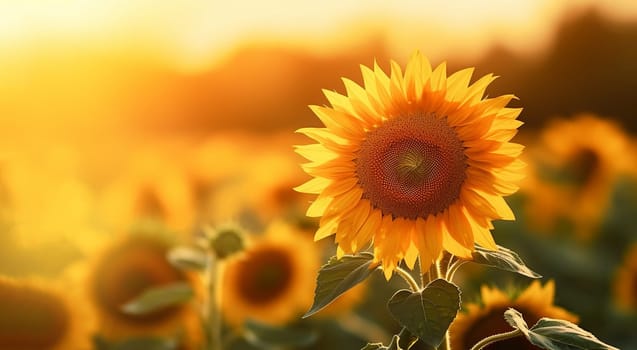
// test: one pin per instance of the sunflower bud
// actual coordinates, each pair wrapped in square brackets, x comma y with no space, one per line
[226,241]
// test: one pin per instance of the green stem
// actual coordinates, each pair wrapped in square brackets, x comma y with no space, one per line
[408,278]
[495,338]
[212,309]
[454,267]
[446,344]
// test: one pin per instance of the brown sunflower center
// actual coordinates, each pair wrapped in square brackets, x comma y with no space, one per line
[127,271]
[31,319]
[583,165]
[412,166]
[494,323]
[266,274]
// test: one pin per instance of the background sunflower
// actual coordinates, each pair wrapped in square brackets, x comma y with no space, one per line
[198,101]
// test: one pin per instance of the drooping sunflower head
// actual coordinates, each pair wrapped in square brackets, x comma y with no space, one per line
[274,279]
[121,272]
[415,163]
[40,315]
[481,321]
[625,283]
[575,166]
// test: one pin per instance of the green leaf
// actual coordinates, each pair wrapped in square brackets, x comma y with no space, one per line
[135,344]
[514,319]
[427,314]
[552,334]
[338,276]
[393,345]
[158,298]
[188,258]
[266,336]
[503,259]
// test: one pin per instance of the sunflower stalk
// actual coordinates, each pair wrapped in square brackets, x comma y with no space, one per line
[496,338]
[408,278]
[212,309]
[441,273]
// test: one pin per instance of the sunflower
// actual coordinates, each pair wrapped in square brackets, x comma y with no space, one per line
[37,314]
[234,185]
[154,188]
[575,166]
[124,269]
[479,322]
[625,285]
[273,281]
[414,163]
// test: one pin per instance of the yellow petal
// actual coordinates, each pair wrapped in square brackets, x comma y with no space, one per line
[315,185]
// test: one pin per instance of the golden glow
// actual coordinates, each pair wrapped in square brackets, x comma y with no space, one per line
[190,34]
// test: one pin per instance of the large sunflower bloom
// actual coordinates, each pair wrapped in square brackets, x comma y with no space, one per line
[37,314]
[415,163]
[481,321]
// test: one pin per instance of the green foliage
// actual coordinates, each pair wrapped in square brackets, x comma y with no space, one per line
[503,259]
[393,345]
[554,334]
[266,336]
[188,258]
[428,313]
[158,298]
[135,344]
[338,276]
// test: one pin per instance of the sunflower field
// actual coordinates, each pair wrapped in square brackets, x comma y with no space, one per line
[333,175]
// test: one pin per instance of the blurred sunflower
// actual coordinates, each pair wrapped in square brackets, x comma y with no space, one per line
[232,179]
[481,321]
[38,314]
[153,188]
[415,163]
[215,172]
[273,281]
[575,166]
[271,194]
[124,269]
[625,283]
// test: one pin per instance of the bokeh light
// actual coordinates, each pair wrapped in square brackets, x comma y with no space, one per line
[114,114]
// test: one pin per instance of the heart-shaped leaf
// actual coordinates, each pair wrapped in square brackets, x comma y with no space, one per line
[553,334]
[158,298]
[503,259]
[427,314]
[338,276]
